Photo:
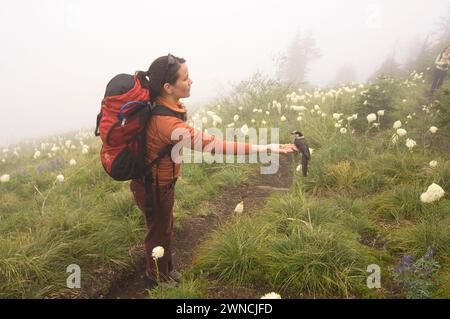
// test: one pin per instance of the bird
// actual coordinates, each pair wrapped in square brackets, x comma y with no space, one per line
[302,146]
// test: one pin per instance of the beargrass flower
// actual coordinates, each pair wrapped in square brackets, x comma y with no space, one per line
[283,118]
[236,117]
[433,193]
[433,129]
[158,252]
[410,143]
[371,117]
[433,164]
[271,295]
[401,132]
[343,130]
[60,178]
[72,162]
[239,208]
[380,113]
[397,124]
[5,178]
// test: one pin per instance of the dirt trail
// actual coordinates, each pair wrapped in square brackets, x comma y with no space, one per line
[253,192]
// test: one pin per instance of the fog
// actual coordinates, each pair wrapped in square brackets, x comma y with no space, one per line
[57,56]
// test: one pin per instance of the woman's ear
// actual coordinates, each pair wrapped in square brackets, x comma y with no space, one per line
[167,88]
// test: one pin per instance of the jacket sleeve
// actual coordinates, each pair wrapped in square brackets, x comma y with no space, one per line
[176,131]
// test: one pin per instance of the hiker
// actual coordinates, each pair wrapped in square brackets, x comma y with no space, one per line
[167,80]
[440,72]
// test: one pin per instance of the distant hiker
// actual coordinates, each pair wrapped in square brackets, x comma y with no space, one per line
[167,81]
[440,72]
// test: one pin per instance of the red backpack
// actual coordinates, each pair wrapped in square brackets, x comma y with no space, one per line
[121,125]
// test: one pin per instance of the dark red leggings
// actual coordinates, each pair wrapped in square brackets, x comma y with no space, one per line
[160,230]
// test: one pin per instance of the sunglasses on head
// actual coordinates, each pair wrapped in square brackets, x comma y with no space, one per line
[170,60]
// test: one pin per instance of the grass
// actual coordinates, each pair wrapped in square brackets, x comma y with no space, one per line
[88,219]
[359,205]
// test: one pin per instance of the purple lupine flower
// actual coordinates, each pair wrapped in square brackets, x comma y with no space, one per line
[399,270]
[53,164]
[407,263]
[406,260]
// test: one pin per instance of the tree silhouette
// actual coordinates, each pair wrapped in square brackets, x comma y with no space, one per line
[292,65]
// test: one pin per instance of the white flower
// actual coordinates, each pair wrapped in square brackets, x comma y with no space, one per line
[433,193]
[401,132]
[36,154]
[240,108]
[337,125]
[371,117]
[283,118]
[85,149]
[433,129]
[365,102]
[204,120]
[311,150]
[72,162]
[336,116]
[244,129]
[343,130]
[4,178]
[410,144]
[404,100]
[267,112]
[299,118]
[253,120]
[316,107]
[355,116]
[230,125]
[239,208]
[433,164]
[158,252]
[409,117]
[380,113]
[60,178]
[298,168]
[263,122]
[217,119]
[271,295]
[236,117]
[397,124]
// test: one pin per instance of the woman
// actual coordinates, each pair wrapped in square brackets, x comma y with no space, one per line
[442,61]
[168,81]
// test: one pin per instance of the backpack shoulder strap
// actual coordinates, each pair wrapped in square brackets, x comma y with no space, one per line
[164,111]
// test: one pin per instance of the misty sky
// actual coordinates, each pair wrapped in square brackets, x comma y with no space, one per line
[57,56]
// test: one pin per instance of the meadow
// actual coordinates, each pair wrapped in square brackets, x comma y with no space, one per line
[377,193]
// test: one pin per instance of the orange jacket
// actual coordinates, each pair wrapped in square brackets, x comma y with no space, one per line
[159,131]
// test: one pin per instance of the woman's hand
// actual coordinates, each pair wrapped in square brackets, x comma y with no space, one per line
[282,148]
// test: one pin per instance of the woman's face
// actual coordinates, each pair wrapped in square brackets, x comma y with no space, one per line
[182,87]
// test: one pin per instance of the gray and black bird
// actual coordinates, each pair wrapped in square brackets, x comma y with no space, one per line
[303,149]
